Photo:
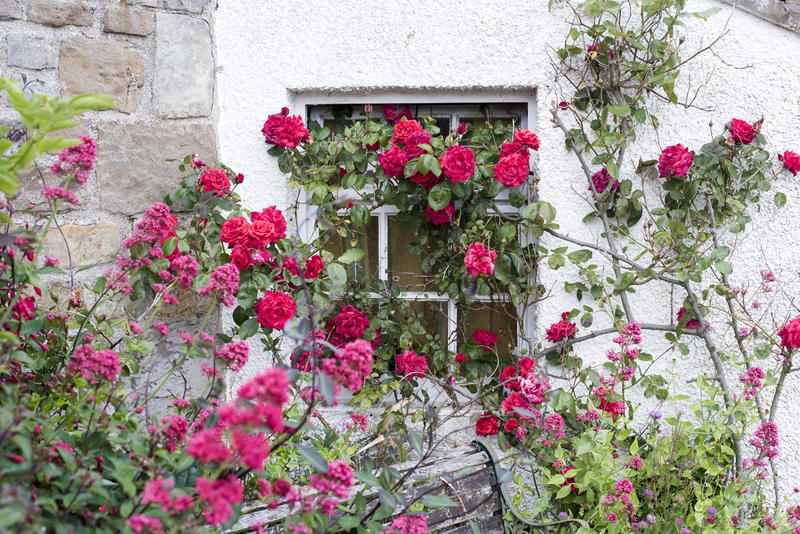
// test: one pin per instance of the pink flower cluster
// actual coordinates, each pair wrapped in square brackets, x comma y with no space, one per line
[350,365]
[479,260]
[407,524]
[332,486]
[224,279]
[94,365]
[752,381]
[174,431]
[78,159]
[765,439]
[48,191]
[235,354]
[157,492]
[220,495]
[409,364]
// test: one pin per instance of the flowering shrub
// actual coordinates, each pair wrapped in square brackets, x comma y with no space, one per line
[77,427]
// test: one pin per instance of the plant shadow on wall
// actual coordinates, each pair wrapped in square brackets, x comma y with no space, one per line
[80,452]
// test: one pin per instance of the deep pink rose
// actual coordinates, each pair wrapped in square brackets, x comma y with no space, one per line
[275,309]
[486,338]
[275,217]
[235,231]
[563,329]
[314,266]
[601,179]
[458,163]
[675,161]
[420,137]
[284,131]
[527,138]
[512,170]
[442,216]
[791,160]
[691,324]
[393,161]
[348,325]
[411,364]
[404,129]
[742,132]
[479,260]
[241,258]
[427,180]
[512,147]
[790,334]
[392,115]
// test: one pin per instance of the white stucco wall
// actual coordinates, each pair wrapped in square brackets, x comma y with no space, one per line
[270,54]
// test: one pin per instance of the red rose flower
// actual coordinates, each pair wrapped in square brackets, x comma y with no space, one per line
[527,138]
[486,338]
[374,146]
[615,409]
[284,131]
[458,163]
[314,266]
[742,132]
[392,115]
[411,364]
[441,217]
[509,375]
[404,128]
[513,147]
[479,260]
[274,216]
[487,425]
[790,334]
[348,325]
[275,309]
[512,170]
[393,161]
[235,231]
[420,137]
[241,258]
[462,128]
[262,233]
[461,357]
[216,181]
[515,400]
[563,329]
[427,180]
[601,180]
[511,425]
[675,161]
[791,160]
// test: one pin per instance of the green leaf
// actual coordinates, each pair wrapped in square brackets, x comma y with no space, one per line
[31,327]
[620,111]
[249,328]
[580,256]
[437,501]
[168,246]
[351,255]
[780,199]
[337,274]
[368,478]
[313,457]
[439,196]
[349,522]
[724,267]
[720,253]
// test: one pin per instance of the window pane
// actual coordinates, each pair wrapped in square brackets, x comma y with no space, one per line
[499,317]
[432,315]
[405,267]
[366,269]
[444,125]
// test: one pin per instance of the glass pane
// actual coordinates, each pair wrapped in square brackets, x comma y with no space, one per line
[433,316]
[366,269]
[498,317]
[444,125]
[405,267]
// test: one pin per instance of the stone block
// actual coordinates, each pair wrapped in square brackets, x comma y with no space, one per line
[132,172]
[10,10]
[131,21]
[59,13]
[102,66]
[184,76]
[95,243]
[192,6]
[30,52]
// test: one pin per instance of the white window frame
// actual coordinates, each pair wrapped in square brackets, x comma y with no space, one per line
[458,104]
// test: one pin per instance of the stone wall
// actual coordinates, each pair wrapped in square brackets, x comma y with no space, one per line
[156,59]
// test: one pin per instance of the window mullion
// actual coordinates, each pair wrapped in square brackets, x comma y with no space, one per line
[383,246]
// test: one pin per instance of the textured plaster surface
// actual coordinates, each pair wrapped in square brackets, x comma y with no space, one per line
[269,54]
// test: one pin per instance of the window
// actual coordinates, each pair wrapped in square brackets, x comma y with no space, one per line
[393,254]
